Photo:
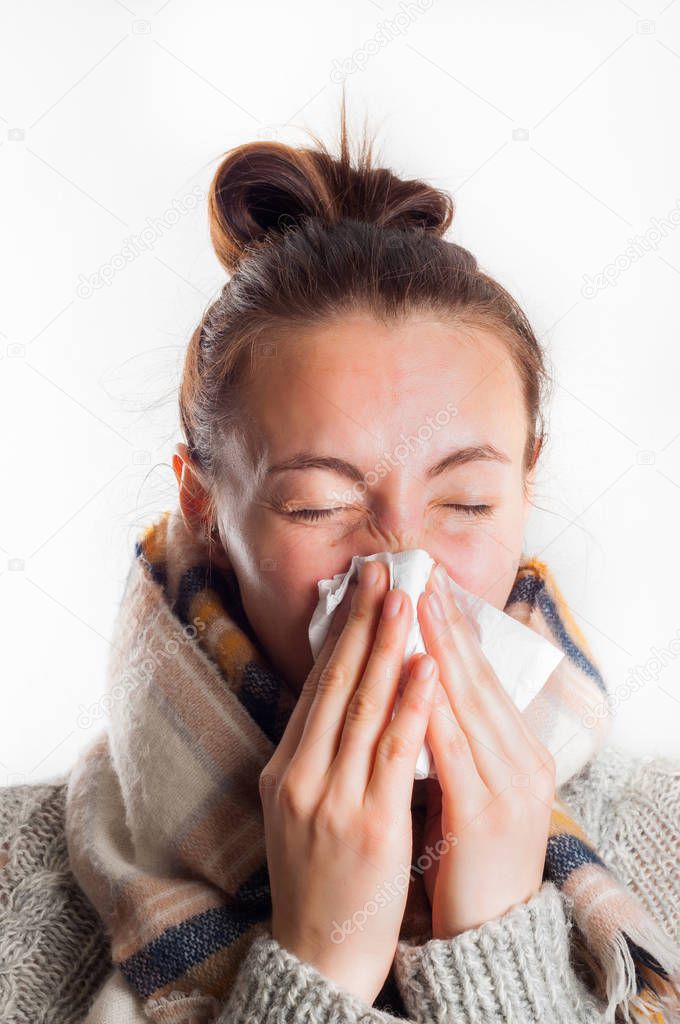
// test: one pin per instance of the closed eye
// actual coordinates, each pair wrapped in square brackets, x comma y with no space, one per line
[473,510]
[313,514]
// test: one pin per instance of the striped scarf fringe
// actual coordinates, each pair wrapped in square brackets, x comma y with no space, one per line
[163,816]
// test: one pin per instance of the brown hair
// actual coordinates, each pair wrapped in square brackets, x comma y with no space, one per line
[307,236]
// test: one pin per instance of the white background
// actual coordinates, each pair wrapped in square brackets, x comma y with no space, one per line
[554,126]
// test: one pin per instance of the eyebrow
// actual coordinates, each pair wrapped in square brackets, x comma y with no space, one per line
[458,457]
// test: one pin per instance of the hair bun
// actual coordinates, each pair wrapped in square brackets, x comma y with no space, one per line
[262,188]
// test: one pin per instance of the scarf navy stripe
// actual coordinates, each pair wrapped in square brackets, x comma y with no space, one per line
[533,591]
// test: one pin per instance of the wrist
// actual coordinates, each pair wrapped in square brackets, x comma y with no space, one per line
[494,972]
[348,978]
[444,927]
[343,973]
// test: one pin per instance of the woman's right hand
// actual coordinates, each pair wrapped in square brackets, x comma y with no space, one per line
[336,793]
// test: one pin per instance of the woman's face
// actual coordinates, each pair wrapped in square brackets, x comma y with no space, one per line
[356,421]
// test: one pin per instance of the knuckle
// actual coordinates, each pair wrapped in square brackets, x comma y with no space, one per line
[360,615]
[333,677]
[414,701]
[326,819]
[291,796]
[267,782]
[383,645]
[486,680]
[336,815]
[394,747]
[311,682]
[364,706]
[455,745]
[471,703]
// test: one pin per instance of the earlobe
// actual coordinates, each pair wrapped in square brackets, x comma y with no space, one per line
[194,504]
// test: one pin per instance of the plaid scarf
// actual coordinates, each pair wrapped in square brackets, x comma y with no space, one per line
[163,816]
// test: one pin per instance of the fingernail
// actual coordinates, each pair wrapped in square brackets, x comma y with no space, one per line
[435,606]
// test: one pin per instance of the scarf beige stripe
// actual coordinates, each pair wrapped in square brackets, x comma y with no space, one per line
[163,816]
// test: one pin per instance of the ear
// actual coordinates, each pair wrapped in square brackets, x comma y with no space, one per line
[193,496]
[529,483]
[528,503]
[195,505]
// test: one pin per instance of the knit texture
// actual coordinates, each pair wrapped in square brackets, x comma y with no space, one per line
[516,969]
[164,819]
[163,815]
[54,953]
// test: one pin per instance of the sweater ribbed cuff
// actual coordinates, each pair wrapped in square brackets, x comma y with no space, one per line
[514,969]
[272,986]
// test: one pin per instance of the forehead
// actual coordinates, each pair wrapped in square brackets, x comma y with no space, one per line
[356,385]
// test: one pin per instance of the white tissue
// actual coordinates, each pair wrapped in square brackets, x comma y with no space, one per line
[520,657]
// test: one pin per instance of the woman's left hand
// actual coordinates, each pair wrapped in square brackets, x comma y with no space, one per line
[493,798]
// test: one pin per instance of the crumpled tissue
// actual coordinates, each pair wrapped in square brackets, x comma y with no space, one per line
[520,657]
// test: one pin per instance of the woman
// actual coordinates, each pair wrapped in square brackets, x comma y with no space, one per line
[242,827]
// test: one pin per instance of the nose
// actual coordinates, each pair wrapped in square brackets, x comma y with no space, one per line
[396,529]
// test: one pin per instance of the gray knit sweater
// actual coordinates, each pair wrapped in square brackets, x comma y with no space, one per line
[516,969]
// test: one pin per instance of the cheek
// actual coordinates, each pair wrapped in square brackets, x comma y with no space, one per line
[483,563]
[286,568]
[286,563]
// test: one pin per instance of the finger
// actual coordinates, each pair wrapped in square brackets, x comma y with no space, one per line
[393,772]
[340,676]
[469,647]
[290,740]
[372,704]
[462,631]
[459,780]
[492,734]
